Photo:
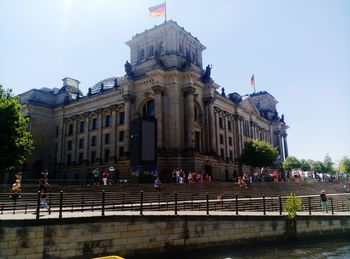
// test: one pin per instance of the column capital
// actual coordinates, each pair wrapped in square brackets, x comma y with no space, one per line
[129,97]
[189,90]
[158,89]
[208,100]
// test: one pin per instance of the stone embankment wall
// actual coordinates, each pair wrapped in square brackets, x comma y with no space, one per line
[127,235]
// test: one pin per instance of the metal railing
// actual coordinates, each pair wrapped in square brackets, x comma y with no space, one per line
[63,204]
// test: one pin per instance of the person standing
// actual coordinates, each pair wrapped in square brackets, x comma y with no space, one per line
[43,195]
[323,197]
[96,176]
[105,176]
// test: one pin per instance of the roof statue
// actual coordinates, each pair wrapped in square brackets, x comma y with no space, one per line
[206,76]
[128,69]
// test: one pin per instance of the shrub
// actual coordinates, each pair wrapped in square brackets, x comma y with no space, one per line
[292,205]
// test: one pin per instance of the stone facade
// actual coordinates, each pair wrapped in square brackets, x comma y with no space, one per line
[198,128]
[128,235]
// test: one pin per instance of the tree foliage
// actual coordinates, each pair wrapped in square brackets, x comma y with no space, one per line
[258,153]
[305,165]
[16,141]
[328,164]
[344,165]
[290,163]
[318,167]
[292,205]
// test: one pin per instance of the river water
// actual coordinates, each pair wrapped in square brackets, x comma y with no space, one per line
[333,249]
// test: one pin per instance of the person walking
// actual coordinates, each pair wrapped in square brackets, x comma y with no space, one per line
[43,191]
[323,197]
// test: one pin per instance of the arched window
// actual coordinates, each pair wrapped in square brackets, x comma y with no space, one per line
[181,49]
[161,47]
[151,51]
[142,54]
[148,110]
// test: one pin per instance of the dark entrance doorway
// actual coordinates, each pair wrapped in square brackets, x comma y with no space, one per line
[208,170]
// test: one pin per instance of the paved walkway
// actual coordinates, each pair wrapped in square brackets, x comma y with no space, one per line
[54,215]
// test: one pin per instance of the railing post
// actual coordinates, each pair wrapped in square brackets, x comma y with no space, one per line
[309,203]
[159,201]
[175,203]
[61,204]
[38,206]
[207,203]
[123,201]
[82,202]
[332,206]
[141,203]
[236,204]
[14,206]
[264,205]
[103,202]
[280,202]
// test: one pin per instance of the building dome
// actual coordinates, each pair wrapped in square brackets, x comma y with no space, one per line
[107,83]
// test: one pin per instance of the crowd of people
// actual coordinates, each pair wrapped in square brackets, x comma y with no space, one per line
[179,176]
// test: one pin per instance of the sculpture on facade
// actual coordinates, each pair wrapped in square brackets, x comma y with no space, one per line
[102,87]
[128,69]
[89,92]
[116,83]
[206,76]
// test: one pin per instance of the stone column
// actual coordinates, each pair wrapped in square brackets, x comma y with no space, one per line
[280,145]
[113,133]
[285,145]
[128,99]
[87,138]
[99,136]
[212,127]
[189,91]
[158,97]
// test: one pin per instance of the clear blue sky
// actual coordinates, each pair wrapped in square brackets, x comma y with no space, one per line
[299,51]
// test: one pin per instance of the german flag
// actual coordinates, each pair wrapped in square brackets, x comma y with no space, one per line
[158,10]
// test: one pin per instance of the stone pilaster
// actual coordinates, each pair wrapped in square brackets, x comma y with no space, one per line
[189,128]
[113,133]
[158,97]
[87,137]
[128,99]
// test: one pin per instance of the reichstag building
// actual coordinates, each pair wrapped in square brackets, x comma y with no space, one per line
[166,112]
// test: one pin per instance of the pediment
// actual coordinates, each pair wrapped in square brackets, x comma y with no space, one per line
[248,105]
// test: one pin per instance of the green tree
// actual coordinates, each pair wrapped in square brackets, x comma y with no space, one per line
[328,164]
[258,153]
[344,165]
[290,163]
[317,167]
[16,141]
[305,165]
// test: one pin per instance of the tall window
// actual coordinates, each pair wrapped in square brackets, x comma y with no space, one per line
[81,126]
[107,138]
[93,141]
[195,113]
[148,109]
[56,133]
[121,117]
[81,143]
[221,125]
[151,51]
[142,54]
[70,129]
[70,145]
[69,159]
[230,141]
[80,161]
[229,125]
[221,139]
[94,123]
[93,156]
[121,136]
[108,121]
[106,155]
